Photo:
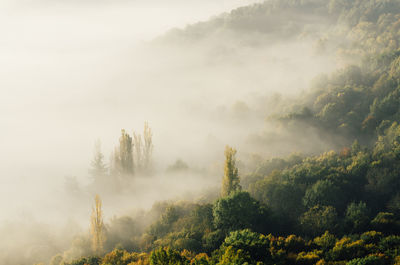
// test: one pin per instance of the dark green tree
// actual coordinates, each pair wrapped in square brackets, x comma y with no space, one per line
[318,220]
[239,211]
[357,216]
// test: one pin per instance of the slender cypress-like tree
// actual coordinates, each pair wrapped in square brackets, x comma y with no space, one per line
[97,227]
[138,151]
[230,181]
[148,146]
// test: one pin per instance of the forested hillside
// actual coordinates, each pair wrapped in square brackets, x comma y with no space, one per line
[341,206]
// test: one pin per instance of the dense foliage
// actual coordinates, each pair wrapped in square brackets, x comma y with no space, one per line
[343,207]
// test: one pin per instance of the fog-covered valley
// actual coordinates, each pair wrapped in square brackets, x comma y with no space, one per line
[287,79]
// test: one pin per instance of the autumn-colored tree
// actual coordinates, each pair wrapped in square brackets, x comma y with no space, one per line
[230,182]
[125,153]
[148,146]
[138,151]
[122,158]
[97,227]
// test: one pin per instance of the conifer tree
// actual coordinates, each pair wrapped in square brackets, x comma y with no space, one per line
[230,181]
[97,227]
[98,168]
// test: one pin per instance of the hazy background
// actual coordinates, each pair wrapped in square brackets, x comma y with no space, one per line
[72,72]
[61,86]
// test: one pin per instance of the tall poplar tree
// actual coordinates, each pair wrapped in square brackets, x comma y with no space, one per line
[97,227]
[148,146]
[122,162]
[230,181]
[138,151]
[126,154]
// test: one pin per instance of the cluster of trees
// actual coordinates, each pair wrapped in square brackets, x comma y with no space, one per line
[351,29]
[334,208]
[132,156]
[233,229]
[247,247]
[357,102]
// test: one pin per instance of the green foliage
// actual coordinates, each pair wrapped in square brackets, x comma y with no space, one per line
[369,260]
[118,257]
[230,181]
[307,258]
[254,245]
[121,231]
[347,249]
[390,245]
[213,240]
[281,197]
[247,247]
[234,257]
[319,219]
[86,261]
[167,256]
[326,241]
[385,222]
[357,216]
[239,211]
[324,193]
[371,237]
[183,226]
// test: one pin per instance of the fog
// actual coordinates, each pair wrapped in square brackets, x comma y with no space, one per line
[61,65]
[76,71]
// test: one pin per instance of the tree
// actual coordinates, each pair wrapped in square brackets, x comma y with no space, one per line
[178,166]
[138,148]
[325,241]
[98,168]
[122,159]
[230,182]
[253,244]
[319,219]
[125,153]
[147,147]
[240,211]
[324,193]
[386,222]
[167,256]
[123,257]
[86,261]
[56,260]
[121,231]
[97,227]
[234,257]
[284,199]
[357,216]
[368,260]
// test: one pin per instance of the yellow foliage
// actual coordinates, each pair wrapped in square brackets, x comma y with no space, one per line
[97,227]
